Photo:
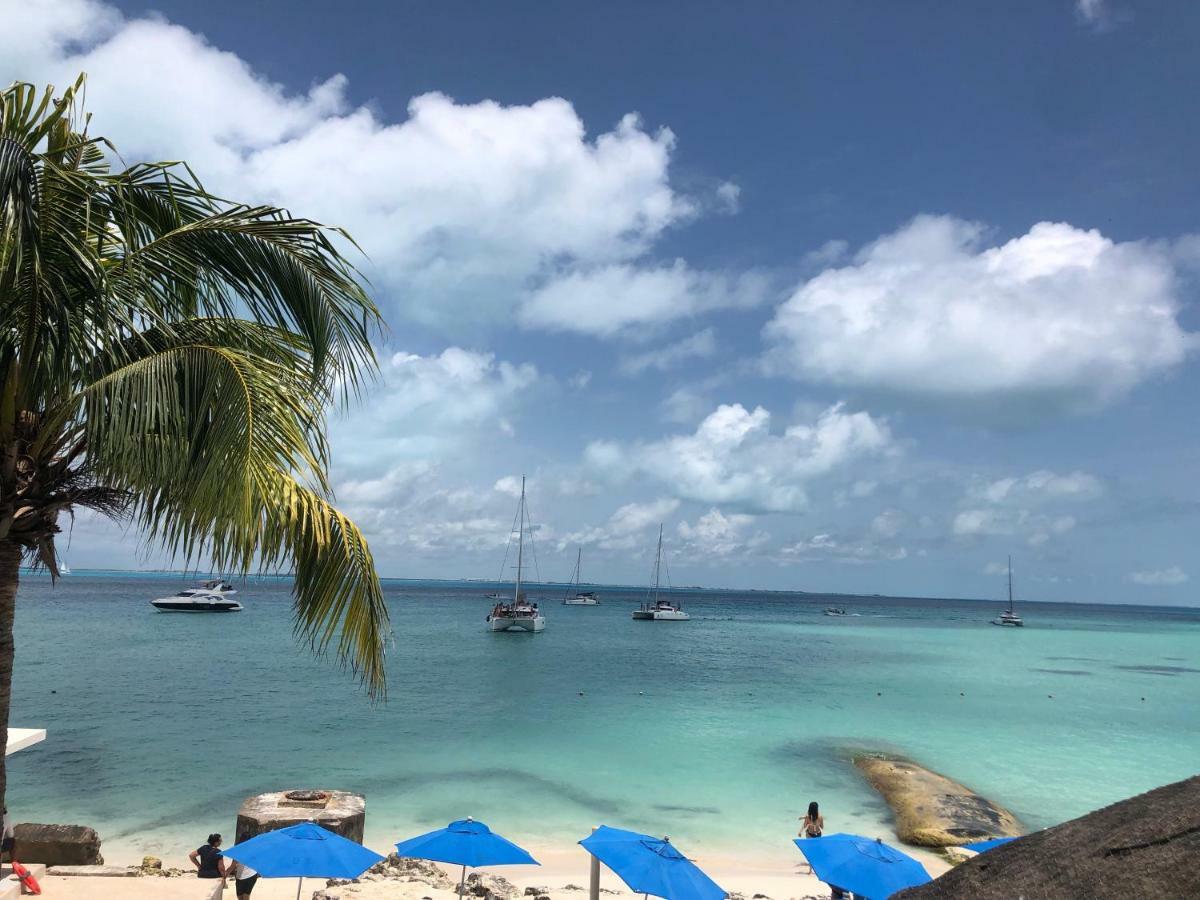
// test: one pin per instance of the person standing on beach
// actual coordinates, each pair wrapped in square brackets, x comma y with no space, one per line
[244,879]
[208,860]
[8,840]
[813,824]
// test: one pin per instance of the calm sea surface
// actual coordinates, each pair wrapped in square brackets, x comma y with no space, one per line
[717,731]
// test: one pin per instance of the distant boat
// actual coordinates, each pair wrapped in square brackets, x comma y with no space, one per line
[579,598]
[653,608]
[210,597]
[520,614]
[835,611]
[1008,617]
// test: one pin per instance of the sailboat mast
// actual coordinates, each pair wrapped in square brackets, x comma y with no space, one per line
[1010,607]
[520,543]
[579,567]
[658,563]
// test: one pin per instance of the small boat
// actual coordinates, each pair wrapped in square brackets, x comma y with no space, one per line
[835,611]
[655,609]
[1008,616]
[578,597]
[210,597]
[519,614]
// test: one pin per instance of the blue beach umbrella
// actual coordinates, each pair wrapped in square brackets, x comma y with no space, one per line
[651,865]
[466,843]
[981,846]
[864,866]
[303,851]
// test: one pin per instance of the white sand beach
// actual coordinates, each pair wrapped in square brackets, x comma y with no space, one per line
[777,879]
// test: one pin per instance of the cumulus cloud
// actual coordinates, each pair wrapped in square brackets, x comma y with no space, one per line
[461,207]
[734,458]
[1060,314]
[627,528]
[608,300]
[1094,14]
[718,534]
[425,404]
[700,345]
[1028,506]
[1160,577]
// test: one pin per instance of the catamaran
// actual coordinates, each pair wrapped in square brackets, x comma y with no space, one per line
[520,614]
[209,597]
[653,608]
[1008,617]
[578,597]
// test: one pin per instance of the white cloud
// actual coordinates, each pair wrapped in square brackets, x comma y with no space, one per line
[733,458]
[510,485]
[1095,14]
[616,299]
[888,523]
[995,568]
[718,534]
[1060,314]
[627,527]
[832,548]
[1039,486]
[460,207]
[700,345]
[1160,577]
[424,406]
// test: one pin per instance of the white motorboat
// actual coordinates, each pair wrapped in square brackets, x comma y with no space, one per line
[577,597]
[835,611]
[210,597]
[654,608]
[519,614]
[1008,616]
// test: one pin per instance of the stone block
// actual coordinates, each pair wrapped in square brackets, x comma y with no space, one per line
[58,845]
[341,812]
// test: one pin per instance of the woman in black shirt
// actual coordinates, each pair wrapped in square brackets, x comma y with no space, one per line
[208,860]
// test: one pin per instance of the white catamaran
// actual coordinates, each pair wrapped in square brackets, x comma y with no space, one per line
[654,609]
[574,596]
[1008,617]
[520,614]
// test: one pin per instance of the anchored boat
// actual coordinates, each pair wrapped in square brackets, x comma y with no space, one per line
[577,597]
[1008,616]
[654,608]
[520,614]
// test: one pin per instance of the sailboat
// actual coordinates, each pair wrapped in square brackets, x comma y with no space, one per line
[579,598]
[1008,617]
[653,608]
[520,614]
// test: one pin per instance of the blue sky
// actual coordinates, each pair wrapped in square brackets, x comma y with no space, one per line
[856,297]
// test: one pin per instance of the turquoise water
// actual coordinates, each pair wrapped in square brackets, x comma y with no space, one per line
[717,731]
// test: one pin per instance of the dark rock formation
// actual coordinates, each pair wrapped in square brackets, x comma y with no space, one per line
[58,845]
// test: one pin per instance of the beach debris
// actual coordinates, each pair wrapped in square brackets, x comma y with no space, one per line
[930,809]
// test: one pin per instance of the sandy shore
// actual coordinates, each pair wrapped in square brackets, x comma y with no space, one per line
[777,878]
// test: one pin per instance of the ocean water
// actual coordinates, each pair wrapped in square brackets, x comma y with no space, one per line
[717,731]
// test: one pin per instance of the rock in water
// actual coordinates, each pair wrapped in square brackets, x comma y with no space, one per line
[930,809]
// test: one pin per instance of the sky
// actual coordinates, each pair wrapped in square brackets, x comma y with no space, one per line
[858,297]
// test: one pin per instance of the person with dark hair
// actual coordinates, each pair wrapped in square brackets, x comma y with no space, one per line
[208,860]
[813,824]
[8,841]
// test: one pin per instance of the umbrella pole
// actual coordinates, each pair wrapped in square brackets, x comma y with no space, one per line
[462,883]
[299,887]
[594,880]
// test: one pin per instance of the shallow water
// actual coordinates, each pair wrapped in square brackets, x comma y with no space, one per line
[717,731]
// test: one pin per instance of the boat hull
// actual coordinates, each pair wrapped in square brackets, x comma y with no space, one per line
[197,606]
[531,624]
[1005,624]
[575,601]
[660,615]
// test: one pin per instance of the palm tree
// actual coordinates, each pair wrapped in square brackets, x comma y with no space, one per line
[166,358]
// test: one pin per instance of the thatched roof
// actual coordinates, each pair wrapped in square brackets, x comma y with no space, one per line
[1147,846]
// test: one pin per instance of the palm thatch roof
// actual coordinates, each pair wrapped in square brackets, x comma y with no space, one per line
[1146,846]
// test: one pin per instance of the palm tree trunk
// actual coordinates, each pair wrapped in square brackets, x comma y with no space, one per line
[10,576]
